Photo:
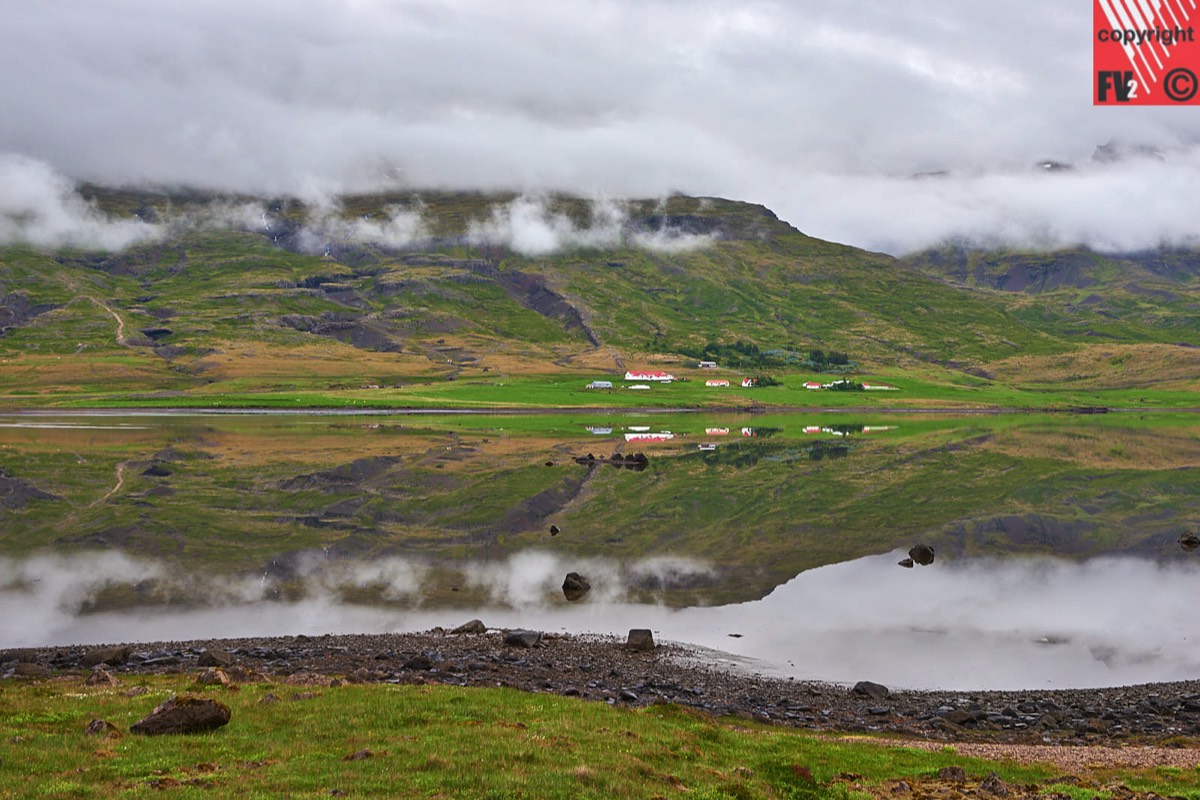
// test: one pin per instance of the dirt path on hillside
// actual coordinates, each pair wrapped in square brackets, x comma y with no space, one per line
[117,487]
[120,321]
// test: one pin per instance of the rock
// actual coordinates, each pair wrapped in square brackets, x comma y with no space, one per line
[268,698]
[215,658]
[520,638]
[993,785]
[213,676]
[955,774]
[183,714]
[422,663]
[1189,541]
[875,691]
[628,696]
[554,531]
[101,677]
[358,755]
[907,563]
[575,586]
[922,554]
[474,626]
[98,727]
[26,669]
[156,471]
[113,656]
[640,639]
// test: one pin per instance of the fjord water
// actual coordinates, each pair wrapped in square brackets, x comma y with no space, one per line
[1058,562]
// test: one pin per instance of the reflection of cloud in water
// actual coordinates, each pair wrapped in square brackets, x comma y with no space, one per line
[1034,623]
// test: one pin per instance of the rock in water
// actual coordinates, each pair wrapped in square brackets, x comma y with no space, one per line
[922,554]
[575,586]
[640,639]
[907,563]
[1189,541]
[183,714]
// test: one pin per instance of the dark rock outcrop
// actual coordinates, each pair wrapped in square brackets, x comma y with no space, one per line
[640,639]
[575,586]
[921,554]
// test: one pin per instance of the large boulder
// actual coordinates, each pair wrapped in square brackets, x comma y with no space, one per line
[474,626]
[575,586]
[875,691]
[113,656]
[183,714]
[640,639]
[522,638]
[214,657]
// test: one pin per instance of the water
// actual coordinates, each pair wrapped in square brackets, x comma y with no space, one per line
[1058,563]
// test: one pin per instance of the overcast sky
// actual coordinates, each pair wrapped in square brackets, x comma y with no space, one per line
[822,111]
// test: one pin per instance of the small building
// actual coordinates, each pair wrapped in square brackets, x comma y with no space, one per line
[749,383]
[600,385]
[661,436]
[879,387]
[651,375]
[639,387]
[812,385]
[707,448]
[812,428]
[598,430]
[707,365]
[717,382]
[716,431]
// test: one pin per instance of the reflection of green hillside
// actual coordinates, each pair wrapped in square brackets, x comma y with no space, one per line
[232,494]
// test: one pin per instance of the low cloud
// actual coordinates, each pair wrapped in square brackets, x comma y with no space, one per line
[41,208]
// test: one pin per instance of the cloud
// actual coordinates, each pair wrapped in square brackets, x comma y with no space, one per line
[41,208]
[819,111]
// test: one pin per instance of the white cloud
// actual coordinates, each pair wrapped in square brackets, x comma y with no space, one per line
[817,110]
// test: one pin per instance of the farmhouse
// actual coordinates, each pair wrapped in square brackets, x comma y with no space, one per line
[600,385]
[717,382]
[707,365]
[662,377]
[716,431]
[812,385]
[749,383]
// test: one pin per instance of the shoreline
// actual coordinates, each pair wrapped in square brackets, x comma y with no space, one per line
[603,669]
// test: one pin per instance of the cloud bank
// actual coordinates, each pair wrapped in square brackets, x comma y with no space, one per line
[820,111]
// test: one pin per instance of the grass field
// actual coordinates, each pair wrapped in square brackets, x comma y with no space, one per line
[436,741]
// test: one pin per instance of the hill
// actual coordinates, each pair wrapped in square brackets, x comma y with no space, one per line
[244,297]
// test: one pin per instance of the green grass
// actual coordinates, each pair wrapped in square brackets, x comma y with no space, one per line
[437,741]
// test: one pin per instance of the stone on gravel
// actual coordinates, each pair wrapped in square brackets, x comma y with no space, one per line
[875,691]
[575,586]
[640,639]
[956,774]
[113,656]
[474,626]
[213,676]
[421,662]
[215,658]
[183,714]
[922,554]
[521,638]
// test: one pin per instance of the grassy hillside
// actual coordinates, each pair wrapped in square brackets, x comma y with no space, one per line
[300,304]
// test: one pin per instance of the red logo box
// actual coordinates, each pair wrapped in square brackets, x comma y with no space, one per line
[1145,53]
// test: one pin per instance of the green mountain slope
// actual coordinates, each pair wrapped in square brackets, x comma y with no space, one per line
[301,303]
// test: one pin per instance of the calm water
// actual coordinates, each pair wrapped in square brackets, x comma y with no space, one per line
[776,542]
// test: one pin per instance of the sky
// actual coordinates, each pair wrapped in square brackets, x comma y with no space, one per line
[823,112]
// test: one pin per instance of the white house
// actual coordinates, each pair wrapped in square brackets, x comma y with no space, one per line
[812,385]
[707,365]
[879,387]
[600,385]
[717,382]
[661,377]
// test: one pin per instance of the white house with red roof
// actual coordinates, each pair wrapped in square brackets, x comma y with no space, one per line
[717,382]
[653,375]
[812,385]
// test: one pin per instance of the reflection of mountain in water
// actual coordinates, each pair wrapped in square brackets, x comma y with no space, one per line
[742,456]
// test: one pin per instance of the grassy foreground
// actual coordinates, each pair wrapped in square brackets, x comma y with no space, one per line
[437,741]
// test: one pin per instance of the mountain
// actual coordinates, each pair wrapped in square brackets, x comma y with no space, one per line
[245,295]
